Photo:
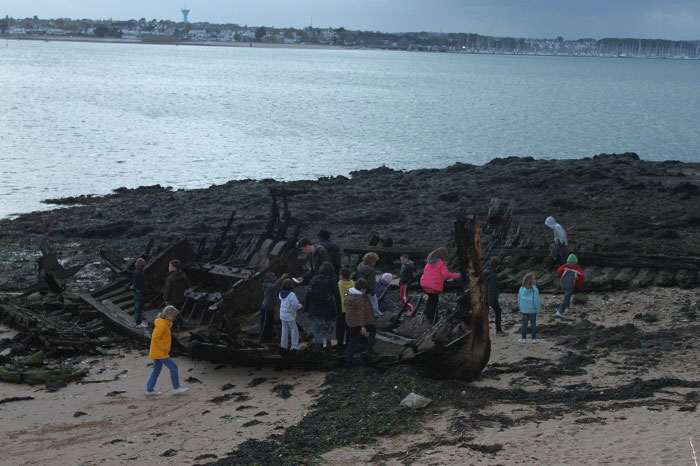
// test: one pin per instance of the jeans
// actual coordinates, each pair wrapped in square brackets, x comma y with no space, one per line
[533,324]
[340,329]
[559,253]
[139,304]
[567,300]
[431,307]
[323,330]
[405,300]
[289,328]
[375,304]
[354,336]
[157,366]
[497,311]
[266,316]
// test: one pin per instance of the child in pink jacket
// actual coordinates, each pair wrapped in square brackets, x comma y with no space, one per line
[434,275]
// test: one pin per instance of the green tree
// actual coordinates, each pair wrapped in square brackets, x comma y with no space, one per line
[260,33]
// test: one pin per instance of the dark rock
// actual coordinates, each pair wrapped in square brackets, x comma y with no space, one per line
[79,413]
[169,453]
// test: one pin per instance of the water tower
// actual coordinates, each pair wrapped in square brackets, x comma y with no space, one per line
[185,12]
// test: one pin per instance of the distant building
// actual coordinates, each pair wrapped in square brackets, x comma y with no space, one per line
[16,31]
[198,34]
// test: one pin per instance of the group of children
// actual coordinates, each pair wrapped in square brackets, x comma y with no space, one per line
[350,307]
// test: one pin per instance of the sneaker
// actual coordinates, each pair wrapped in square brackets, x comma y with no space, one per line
[142,325]
[535,340]
[500,333]
[522,340]
[180,390]
[153,393]
[558,314]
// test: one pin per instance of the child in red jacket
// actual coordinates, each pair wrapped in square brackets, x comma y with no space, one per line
[570,276]
[433,280]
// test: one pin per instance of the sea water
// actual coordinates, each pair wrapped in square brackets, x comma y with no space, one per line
[86,118]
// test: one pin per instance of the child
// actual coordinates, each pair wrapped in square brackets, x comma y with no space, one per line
[559,249]
[288,314]
[322,302]
[570,276]
[405,280]
[386,304]
[359,318]
[344,285]
[271,287]
[493,288]
[433,281]
[529,304]
[138,289]
[366,271]
[160,352]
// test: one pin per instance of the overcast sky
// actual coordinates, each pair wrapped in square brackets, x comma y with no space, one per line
[572,19]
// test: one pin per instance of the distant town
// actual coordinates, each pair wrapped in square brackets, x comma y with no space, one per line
[203,33]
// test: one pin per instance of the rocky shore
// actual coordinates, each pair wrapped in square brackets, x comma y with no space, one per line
[610,202]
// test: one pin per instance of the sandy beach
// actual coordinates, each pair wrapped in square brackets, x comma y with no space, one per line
[123,426]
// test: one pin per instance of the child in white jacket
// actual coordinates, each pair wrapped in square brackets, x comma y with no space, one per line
[289,305]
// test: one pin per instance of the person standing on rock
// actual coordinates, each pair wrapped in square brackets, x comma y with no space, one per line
[559,250]
[366,271]
[493,289]
[271,289]
[324,240]
[138,289]
[359,318]
[174,291]
[316,255]
[344,285]
[322,302]
[161,341]
[405,280]
[570,276]
[433,281]
[529,305]
[288,315]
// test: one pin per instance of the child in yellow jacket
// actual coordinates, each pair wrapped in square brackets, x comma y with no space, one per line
[344,285]
[160,351]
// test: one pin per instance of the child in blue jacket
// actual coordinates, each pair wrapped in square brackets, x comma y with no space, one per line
[529,304]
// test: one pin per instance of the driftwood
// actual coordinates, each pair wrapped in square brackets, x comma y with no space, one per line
[459,345]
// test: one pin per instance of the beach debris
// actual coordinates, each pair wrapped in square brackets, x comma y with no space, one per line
[79,414]
[257,381]
[13,399]
[192,380]
[252,423]
[50,273]
[227,386]
[169,453]
[283,390]
[415,401]
[115,392]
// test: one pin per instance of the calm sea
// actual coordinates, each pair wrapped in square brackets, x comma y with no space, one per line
[83,118]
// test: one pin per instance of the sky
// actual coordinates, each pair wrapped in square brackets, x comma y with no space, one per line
[571,19]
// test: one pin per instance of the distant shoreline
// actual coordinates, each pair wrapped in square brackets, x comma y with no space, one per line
[308,47]
[180,43]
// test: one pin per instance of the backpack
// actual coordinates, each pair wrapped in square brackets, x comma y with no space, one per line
[320,291]
[568,279]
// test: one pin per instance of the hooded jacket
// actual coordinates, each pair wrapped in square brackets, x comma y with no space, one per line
[434,275]
[559,232]
[406,273]
[326,309]
[529,300]
[369,274]
[359,309]
[289,305]
[175,287]
[160,339]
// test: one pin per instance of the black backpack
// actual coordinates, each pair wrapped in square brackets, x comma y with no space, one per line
[321,291]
